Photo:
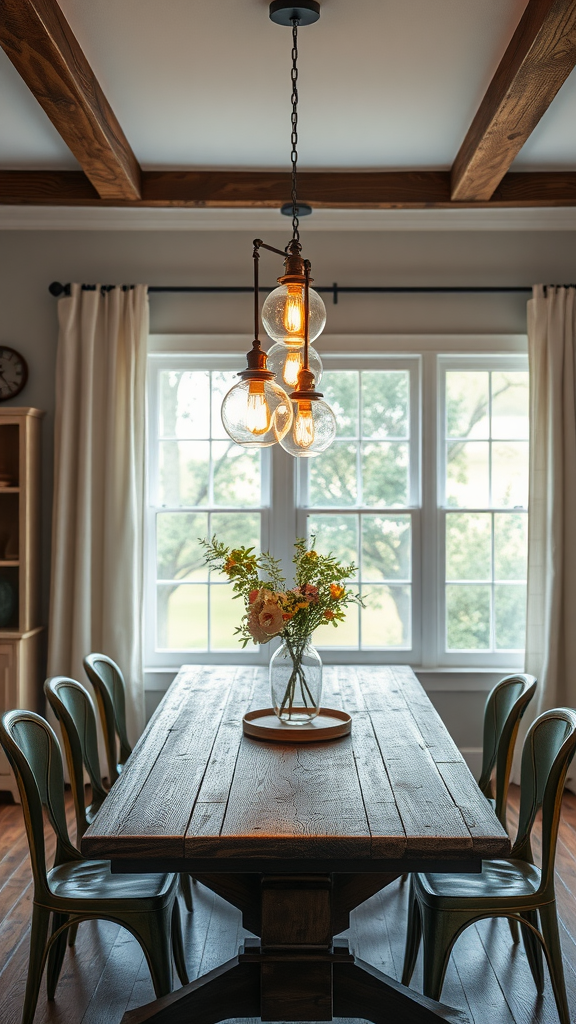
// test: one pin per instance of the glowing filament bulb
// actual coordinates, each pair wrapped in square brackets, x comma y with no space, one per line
[304,425]
[293,318]
[258,413]
[292,366]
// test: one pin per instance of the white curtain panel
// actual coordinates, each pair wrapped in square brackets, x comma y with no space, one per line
[97,533]
[551,603]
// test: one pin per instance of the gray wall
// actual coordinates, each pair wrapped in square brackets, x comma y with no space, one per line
[30,260]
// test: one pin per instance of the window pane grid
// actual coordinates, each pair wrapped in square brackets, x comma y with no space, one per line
[485,541]
[205,485]
[368,519]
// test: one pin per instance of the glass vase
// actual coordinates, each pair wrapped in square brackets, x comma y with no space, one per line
[296,682]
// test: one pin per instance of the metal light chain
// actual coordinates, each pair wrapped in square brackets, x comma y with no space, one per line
[294,122]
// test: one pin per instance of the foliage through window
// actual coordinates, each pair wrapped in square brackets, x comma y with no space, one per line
[424,488]
[486,480]
[357,490]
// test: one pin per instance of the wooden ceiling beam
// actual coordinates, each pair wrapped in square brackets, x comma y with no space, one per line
[260,189]
[541,55]
[42,47]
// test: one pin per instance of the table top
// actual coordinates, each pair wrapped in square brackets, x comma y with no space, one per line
[396,790]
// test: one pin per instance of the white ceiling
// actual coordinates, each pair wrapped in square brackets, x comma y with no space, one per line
[383,84]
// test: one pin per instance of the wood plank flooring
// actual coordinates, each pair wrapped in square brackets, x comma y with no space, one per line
[106,972]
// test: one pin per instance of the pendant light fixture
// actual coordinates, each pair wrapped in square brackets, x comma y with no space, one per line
[261,410]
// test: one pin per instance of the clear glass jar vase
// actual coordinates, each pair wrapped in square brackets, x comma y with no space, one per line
[296,682]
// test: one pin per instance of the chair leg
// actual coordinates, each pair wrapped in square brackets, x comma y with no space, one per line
[56,955]
[38,940]
[413,937]
[438,930]
[533,949]
[72,933]
[154,933]
[186,891]
[178,945]
[550,934]
[514,932]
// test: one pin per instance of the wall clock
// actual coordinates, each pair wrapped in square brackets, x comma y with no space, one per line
[13,372]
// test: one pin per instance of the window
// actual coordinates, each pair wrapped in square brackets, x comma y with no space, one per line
[425,489]
[200,484]
[359,498]
[484,497]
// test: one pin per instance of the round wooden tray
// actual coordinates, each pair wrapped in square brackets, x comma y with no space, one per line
[328,725]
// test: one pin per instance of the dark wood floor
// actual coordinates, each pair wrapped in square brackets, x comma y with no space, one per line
[106,973]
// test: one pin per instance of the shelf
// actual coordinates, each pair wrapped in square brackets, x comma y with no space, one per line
[9,490]
[9,561]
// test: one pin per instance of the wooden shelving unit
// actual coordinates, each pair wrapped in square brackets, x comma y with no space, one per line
[22,636]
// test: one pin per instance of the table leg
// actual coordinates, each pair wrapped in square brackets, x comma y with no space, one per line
[296,972]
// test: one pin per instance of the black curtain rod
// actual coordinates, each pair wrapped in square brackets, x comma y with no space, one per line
[335,290]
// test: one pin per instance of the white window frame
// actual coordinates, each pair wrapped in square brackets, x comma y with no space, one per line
[430,353]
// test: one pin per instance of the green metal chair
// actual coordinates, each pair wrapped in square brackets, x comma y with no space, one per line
[442,906]
[110,689]
[73,707]
[75,889]
[504,709]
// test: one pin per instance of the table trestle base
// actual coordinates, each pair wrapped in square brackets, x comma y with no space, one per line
[296,971]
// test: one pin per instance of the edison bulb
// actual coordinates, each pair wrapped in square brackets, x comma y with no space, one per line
[294,310]
[283,314]
[286,361]
[313,428]
[256,413]
[303,427]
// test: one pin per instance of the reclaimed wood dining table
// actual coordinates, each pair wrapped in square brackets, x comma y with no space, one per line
[295,836]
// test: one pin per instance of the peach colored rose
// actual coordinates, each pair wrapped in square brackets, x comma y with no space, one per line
[270,618]
[258,634]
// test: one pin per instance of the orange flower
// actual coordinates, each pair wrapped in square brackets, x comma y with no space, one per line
[328,614]
[336,591]
[286,616]
[229,565]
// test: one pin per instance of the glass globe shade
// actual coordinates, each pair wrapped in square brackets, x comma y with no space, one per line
[283,314]
[256,413]
[313,428]
[285,361]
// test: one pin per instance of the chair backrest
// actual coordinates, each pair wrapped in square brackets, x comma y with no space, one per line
[34,754]
[548,750]
[505,706]
[73,707]
[110,690]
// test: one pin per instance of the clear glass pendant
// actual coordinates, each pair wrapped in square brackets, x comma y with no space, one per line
[313,428]
[286,361]
[256,413]
[283,314]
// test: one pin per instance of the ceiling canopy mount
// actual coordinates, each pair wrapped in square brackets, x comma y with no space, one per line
[306,12]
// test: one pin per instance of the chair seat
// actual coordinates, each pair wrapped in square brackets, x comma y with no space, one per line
[85,880]
[500,880]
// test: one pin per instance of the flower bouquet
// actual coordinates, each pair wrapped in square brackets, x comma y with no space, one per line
[319,596]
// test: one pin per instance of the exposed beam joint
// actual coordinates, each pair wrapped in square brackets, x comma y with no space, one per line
[541,55]
[45,52]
